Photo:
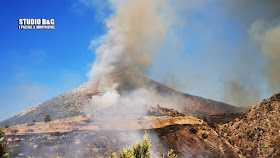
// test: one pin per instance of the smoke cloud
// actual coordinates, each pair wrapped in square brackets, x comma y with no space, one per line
[268,40]
[134,32]
[188,44]
[256,70]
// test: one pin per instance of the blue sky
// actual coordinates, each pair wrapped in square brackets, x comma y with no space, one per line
[207,49]
[36,65]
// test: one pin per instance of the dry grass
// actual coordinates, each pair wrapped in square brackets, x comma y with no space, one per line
[102,123]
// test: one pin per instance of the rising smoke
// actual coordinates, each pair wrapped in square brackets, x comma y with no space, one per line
[257,70]
[136,37]
[268,40]
[135,31]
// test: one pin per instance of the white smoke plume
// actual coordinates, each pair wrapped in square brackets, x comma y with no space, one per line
[135,30]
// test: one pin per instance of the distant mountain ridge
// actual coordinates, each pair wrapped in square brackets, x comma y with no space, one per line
[72,102]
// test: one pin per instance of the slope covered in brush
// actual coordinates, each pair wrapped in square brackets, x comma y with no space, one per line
[256,133]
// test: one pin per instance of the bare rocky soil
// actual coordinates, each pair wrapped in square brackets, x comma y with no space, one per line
[83,143]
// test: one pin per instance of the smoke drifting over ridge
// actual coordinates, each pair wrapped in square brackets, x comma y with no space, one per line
[264,30]
[137,29]
[268,40]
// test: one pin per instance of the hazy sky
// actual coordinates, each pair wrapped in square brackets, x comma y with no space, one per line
[208,50]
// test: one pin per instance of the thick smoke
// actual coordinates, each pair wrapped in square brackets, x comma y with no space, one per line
[139,30]
[250,50]
[134,32]
[257,71]
[268,40]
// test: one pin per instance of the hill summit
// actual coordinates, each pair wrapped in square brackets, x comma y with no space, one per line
[73,102]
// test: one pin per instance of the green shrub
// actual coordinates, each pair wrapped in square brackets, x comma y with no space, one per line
[140,150]
[47,118]
[171,154]
[114,155]
[100,142]
[127,153]
[194,129]
[57,156]
[3,143]
[204,135]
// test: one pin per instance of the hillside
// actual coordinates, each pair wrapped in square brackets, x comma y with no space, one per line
[72,103]
[65,105]
[98,136]
[256,133]
[156,117]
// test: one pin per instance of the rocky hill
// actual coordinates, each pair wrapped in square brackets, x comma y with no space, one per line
[65,105]
[72,103]
[256,133]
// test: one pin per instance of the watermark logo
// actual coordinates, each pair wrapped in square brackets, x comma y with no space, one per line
[36,24]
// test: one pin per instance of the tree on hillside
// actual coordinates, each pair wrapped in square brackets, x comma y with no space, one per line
[3,143]
[6,126]
[47,118]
